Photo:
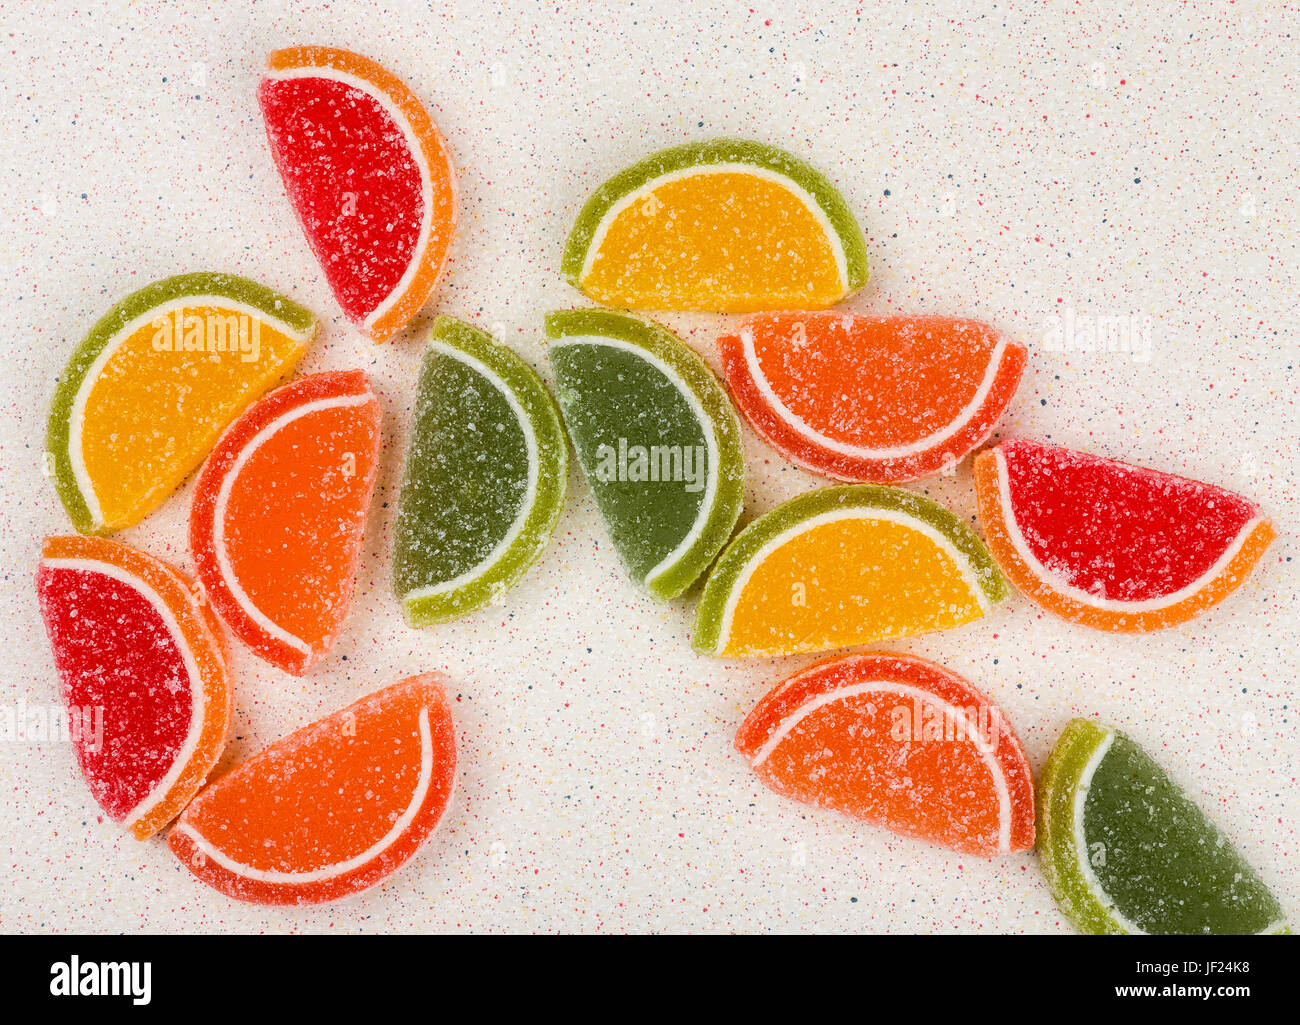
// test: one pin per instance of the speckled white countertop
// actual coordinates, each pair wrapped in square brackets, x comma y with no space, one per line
[1107,159]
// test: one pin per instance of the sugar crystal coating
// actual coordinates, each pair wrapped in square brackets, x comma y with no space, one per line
[1111,545]
[726,225]
[148,391]
[332,809]
[899,742]
[870,398]
[657,439]
[842,566]
[279,513]
[144,673]
[484,480]
[369,176]
[1125,850]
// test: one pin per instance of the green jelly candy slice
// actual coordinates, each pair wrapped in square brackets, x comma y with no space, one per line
[657,439]
[1125,851]
[484,480]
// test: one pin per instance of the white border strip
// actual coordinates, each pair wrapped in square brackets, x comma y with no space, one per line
[228,575]
[707,429]
[77,414]
[198,699]
[801,427]
[417,155]
[1061,586]
[530,494]
[340,868]
[952,711]
[857,513]
[752,170]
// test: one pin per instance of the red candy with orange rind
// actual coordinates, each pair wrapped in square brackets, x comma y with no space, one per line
[144,672]
[1110,545]
[369,176]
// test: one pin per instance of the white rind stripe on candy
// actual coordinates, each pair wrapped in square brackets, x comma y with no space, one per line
[706,427]
[417,154]
[223,498]
[530,494]
[862,513]
[77,414]
[753,170]
[342,867]
[1081,841]
[198,699]
[915,694]
[1061,586]
[800,426]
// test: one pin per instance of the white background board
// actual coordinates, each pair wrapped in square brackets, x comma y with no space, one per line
[1114,159]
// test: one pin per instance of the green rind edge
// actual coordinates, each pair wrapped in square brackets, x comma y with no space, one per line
[277,307]
[708,617]
[695,372]
[719,151]
[1058,853]
[552,479]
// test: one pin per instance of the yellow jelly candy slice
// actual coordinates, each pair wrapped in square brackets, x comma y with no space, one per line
[155,382]
[844,566]
[725,226]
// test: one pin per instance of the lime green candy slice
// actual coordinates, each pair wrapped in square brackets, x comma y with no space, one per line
[1125,851]
[657,439]
[484,480]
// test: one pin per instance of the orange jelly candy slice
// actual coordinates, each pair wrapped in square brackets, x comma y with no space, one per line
[900,742]
[280,511]
[871,399]
[332,809]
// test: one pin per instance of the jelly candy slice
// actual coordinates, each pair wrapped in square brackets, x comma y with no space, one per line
[330,810]
[1110,545]
[726,226]
[279,513]
[900,742]
[880,399]
[485,476]
[144,676]
[1125,851]
[369,176]
[657,439]
[150,389]
[842,566]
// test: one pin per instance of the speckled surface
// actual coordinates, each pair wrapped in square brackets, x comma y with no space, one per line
[1106,160]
